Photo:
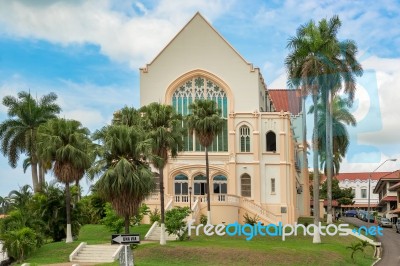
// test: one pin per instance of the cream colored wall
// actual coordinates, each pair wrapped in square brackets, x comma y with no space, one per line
[199,47]
[199,50]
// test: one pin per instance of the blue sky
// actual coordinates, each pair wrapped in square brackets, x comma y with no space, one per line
[89,52]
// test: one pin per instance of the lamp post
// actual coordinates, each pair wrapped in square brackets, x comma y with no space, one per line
[369,185]
[190,198]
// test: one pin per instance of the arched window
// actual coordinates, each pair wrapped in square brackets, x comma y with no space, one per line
[199,87]
[181,185]
[245,185]
[200,185]
[244,139]
[271,141]
[220,184]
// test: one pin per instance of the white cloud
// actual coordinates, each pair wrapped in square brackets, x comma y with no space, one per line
[123,36]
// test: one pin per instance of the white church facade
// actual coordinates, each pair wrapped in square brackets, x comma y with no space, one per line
[256,162]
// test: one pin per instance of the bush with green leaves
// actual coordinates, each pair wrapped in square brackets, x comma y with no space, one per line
[111,220]
[21,242]
[143,210]
[155,216]
[203,219]
[251,220]
[175,221]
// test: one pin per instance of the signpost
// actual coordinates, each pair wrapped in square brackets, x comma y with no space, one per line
[125,239]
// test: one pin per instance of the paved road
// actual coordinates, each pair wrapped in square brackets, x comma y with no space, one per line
[390,243]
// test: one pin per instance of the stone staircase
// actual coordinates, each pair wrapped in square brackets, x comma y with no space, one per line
[95,253]
[156,232]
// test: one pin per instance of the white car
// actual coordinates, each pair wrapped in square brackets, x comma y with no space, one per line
[385,222]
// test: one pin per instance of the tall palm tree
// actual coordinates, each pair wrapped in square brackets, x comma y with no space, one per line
[344,67]
[308,67]
[18,132]
[164,127]
[67,144]
[125,175]
[206,122]
[340,116]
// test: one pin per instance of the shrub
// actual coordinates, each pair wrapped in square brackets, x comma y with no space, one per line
[112,221]
[203,219]
[154,216]
[21,242]
[143,210]
[174,221]
[251,220]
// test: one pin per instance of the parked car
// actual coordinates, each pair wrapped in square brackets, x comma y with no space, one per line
[350,213]
[361,214]
[398,226]
[385,222]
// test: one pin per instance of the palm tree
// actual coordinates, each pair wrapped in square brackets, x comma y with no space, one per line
[164,127]
[18,133]
[125,175]
[67,144]
[308,67]
[206,122]
[340,116]
[344,68]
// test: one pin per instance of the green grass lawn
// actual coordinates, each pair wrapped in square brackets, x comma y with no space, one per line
[216,250]
[92,234]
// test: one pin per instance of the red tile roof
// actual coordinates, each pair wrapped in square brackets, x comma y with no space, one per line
[389,198]
[286,100]
[365,176]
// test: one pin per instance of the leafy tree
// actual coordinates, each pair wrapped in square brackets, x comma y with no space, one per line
[143,210]
[67,144]
[175,221]
[206,122]
[123,167]
[18,134]
[344,196]
[164,127]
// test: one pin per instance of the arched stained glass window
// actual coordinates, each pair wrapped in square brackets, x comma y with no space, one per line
[199,87]
[244,139]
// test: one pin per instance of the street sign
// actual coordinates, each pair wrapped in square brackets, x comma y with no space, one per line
[125,239]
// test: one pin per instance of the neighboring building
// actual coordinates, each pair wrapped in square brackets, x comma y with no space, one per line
[387,195]
[396,188]
[255,163]
[358,182]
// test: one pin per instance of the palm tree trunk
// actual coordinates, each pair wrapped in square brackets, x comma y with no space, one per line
[162,209]
[127,223]
[68,209]
[208,188]
[328,150]
[41,175]
[78,194]
[305,162]
[35,183]
[316,236]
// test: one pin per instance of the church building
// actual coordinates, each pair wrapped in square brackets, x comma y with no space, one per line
[256,163]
